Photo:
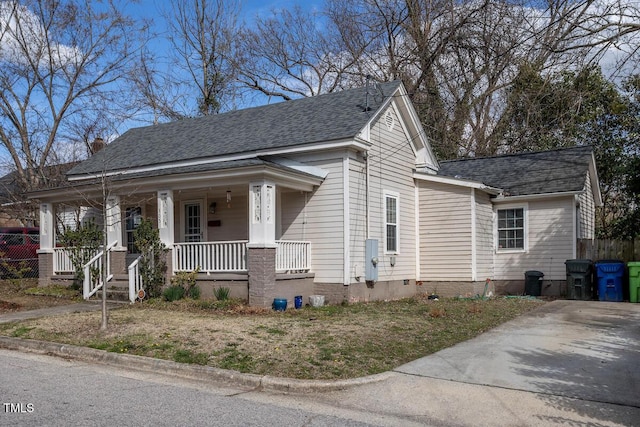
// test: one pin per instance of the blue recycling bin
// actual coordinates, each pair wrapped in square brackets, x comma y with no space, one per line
[609,275]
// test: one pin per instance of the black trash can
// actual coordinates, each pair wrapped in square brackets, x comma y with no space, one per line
[579,279]
[533,283]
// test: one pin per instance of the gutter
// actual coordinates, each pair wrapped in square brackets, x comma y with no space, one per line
[507,199]
[457,181]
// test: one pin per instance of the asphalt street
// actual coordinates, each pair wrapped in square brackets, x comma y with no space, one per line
[40,390]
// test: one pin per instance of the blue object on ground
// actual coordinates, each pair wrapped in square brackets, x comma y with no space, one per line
[609,274]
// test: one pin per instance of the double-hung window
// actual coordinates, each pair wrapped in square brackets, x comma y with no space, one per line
[511,229]
[392,228]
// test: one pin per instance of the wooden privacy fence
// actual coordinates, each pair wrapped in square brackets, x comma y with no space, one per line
[601,249]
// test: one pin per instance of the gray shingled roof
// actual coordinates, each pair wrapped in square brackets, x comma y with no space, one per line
[526,173]
[330,117]
[210,167]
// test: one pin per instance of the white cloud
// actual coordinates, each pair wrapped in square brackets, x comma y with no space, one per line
[24,40]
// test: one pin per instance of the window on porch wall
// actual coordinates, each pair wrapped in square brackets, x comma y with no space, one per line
[132,221]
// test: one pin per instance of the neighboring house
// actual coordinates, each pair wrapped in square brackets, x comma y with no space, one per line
[15,208]
[337,195]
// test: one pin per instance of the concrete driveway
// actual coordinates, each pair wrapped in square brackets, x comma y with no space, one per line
[581,349]
[569,362]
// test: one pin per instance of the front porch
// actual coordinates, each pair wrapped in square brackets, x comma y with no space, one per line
[189,222]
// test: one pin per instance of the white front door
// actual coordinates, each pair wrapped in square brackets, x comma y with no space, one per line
[193,230]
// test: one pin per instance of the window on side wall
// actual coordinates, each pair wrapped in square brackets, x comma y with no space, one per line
[511,230]
[391,223]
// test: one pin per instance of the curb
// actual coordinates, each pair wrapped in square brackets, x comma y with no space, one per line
[186,371]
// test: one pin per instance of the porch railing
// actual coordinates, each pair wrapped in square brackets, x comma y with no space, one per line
[293,255]
[135,280]
[210,257]
[93,272]
[213,257]
[62,261]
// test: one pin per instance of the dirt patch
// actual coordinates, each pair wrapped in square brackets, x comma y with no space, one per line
[6,306]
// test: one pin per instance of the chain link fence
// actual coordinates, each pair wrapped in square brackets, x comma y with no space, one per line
[19,254]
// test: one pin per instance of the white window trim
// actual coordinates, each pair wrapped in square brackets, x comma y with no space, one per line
[525,214]
[396,196]
[203,218]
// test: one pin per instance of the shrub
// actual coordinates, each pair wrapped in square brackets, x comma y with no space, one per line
[194,292]
[187,279]
[221,293]
[173,293]
[153,266]
[82,244]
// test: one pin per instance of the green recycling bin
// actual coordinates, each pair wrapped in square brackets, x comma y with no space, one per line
[634,280]
[579,283]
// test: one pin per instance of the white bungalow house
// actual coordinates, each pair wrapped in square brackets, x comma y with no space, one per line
[338,195]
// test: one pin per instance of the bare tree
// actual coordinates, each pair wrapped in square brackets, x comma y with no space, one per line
[291,54]
[203,36]
[60,64]
[457,59]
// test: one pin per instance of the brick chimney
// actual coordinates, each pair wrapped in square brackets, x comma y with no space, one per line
[97,145]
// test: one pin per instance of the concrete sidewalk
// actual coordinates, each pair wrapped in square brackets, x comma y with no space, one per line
[49,311]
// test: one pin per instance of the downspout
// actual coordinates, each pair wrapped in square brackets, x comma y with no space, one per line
[576,220]
[304,216]
[474,250]
[365,155]
[346,221]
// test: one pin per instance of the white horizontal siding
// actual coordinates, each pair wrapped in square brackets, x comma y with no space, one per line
[484,236]
[292,216]
[391,163]
[550,242]
[587,211]
[233,219]
[445,232]
[357,215]
[324,217]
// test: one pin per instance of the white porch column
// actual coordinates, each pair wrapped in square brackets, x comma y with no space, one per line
[262,214]
[113,221]
[46,227]
[261,249]
[166,226]
[165,217]
[166,223]
[47,241]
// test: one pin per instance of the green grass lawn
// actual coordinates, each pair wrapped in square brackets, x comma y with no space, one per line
[331,342]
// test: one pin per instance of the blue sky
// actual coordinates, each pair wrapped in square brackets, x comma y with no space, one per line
[250,8]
